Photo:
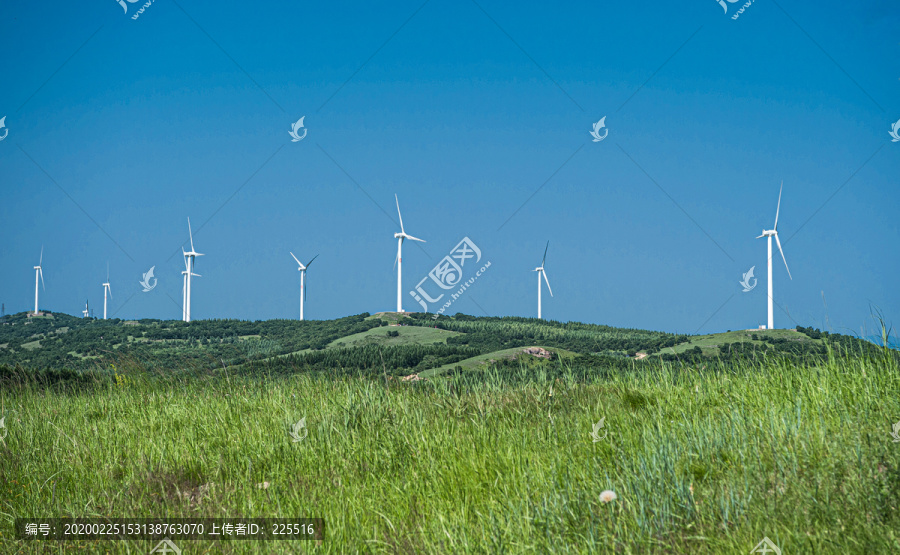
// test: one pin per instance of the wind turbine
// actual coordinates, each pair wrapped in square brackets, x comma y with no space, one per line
[106,289]
[189,271]
[302,270]
[38,272]
[399,262]
[541,272]
[86,311]
[769,234]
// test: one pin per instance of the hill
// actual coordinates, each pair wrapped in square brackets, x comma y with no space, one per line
[391,343]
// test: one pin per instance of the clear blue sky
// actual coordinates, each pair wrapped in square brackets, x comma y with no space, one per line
[121,129]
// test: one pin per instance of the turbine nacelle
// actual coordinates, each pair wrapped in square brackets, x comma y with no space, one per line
[300,266]
[407,236]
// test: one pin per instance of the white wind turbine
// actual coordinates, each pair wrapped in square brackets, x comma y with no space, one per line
[106,289]
[769,234]
[399,261]
[38,271]
[302,270]
[188,273]
[85,311]
[541,272]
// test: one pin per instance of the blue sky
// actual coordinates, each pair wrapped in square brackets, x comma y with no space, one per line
[478,117]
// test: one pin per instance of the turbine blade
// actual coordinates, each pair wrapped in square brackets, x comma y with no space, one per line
[42,256]
[305,287]
[108,288]
[415,239]
[41,273]
[191,233]
[782,256]
[761,236]
[298,262]
[395,262]
[399,214]
[545,254]
[544,273]
[778,208]
[311,261]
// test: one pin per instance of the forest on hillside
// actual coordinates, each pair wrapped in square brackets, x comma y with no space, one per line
[64,345]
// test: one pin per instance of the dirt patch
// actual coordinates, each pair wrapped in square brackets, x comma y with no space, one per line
[639,356]
[413,378]
[538,352]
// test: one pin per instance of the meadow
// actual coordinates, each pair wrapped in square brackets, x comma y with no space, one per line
[703,458]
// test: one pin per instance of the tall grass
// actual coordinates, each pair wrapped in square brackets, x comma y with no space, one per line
[702,461]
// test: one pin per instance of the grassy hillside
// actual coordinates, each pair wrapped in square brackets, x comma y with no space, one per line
[397,344]
[494,461]
[487,360]
[406,335]
[709,442]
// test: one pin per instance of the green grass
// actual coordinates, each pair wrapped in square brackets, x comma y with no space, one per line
[711,343]
[408,335]
[482,362]
[32,345]
[485,462]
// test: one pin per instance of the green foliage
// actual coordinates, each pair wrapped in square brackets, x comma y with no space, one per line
[492,334]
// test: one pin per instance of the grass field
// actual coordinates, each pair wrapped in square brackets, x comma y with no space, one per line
[408,335]
[483,362]
[701,462]
[711,344]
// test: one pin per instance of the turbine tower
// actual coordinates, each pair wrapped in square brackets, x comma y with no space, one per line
[769,234]
[184,292]
[541,272]
[399,261]
[38,272]
[188,273]
[106,289]
[302,270]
